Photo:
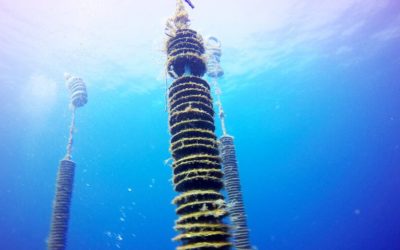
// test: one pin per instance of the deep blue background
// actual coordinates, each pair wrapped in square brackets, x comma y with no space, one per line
[318,148]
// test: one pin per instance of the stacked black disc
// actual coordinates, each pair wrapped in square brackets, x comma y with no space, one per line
[186,50]
[194,148]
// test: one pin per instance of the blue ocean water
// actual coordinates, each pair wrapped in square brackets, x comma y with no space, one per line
[317,138]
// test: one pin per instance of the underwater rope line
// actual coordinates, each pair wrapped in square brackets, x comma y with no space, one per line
[221,112]
[196,163]
[66,171]
[71,134]
[228,154]
[215,71]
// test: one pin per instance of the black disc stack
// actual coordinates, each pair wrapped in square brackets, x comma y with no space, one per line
[185,51]
[197,165]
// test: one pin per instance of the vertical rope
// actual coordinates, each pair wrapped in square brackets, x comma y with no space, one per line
[228,153]
[215,71]
[68,155]
[66,172]
[221,112]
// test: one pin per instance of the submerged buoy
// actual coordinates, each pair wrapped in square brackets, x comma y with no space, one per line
[213,51]
[77,89]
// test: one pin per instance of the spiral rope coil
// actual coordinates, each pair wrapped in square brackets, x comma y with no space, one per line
[66,171]
[196,163]
[61,206]
[237,213]
[232,186]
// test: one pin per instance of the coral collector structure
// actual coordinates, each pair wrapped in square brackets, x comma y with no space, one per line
[197,164]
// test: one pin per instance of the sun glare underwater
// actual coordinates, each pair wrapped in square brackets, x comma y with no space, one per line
[200,125]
